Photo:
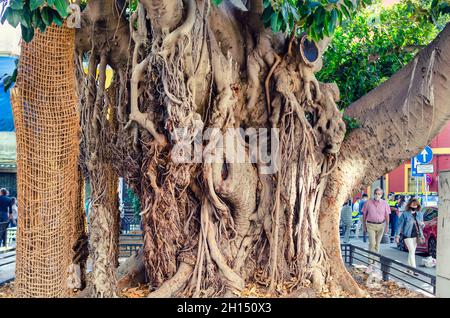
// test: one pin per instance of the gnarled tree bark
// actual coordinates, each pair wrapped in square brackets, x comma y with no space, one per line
[210,228]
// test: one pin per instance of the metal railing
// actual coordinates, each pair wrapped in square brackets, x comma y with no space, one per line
[129,243]
[389,267]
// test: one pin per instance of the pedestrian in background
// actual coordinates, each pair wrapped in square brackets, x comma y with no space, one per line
[393,216]
[5,214]
[359,225]
[401,205]
[346,218]
[15,212]
[376,222]
[410,226]
[355,211]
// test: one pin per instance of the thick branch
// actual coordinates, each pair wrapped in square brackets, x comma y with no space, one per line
[402,115]
[398,118]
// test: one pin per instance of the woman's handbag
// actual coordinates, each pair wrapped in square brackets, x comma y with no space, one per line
[420,237]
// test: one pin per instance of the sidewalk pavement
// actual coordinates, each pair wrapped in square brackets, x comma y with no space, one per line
[7,272]
[391,250]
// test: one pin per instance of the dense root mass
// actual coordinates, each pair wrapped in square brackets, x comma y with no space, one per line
[184,69]
[208,227]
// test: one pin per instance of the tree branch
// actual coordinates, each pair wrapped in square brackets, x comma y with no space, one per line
[398,119]
[404,114]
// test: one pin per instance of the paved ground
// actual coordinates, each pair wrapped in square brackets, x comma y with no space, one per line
[390,250]
[7,271]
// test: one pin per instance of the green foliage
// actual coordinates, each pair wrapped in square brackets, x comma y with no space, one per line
[35,14]
[375,44]
[8,80]
[318,18]
[34,4]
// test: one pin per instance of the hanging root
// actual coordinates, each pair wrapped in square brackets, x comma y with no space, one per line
[171,286]
[170,40]
[233,279]
[267,82]
[139,36]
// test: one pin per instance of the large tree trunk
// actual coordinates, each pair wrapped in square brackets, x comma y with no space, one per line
[212,227]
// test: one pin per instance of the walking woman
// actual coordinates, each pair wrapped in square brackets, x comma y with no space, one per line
[410,226]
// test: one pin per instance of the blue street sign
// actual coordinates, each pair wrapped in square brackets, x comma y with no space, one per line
[425,156]
[414,164]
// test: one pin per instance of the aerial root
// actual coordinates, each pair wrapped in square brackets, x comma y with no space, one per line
[171,286]
[170,40]
[267,82]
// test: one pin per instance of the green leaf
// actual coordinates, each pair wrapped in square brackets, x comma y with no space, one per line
[25,18]
[319,17]
[284,13]
[27,33]
[349,5]
[57,19]
[304,11]
[333,1]
[267,15]
[217,2]
[34,4]
[313,4]
[36,18]
[7,82]
[326,19]
[16,4]
[434,3]
[279,24]
[13,17]
[50,2]
[444,8]
[42,26]
[274,22]
[294,13]
[339,16]
[266,3]
[61,6]
[345,11]
[47,15]
[334,16]
[3,19]
[332,23]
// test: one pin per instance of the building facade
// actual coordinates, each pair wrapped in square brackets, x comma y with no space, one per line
[401,181]
[7,134]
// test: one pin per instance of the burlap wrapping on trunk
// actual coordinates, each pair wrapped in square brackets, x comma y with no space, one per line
[47,124]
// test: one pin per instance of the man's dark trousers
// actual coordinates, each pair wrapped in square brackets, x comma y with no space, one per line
[393,222]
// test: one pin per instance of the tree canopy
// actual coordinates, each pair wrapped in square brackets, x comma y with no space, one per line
[368,49]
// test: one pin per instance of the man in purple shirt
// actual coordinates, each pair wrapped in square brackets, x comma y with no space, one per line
[376,219]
